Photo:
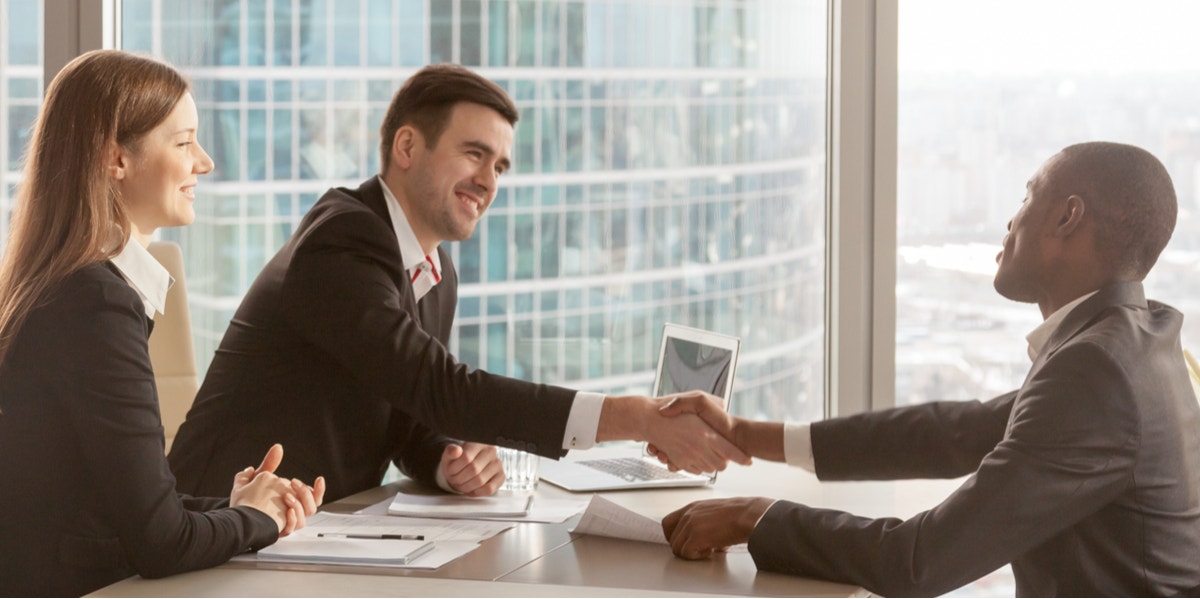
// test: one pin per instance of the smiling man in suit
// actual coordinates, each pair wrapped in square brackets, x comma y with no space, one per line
[340,343]
[1086,478]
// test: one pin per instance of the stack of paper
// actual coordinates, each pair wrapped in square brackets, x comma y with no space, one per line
[459,506]
[384,552]
[382,541]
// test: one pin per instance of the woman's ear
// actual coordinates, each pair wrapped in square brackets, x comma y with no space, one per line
[116,161]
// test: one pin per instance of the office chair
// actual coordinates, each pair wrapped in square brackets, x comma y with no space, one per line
[171,351]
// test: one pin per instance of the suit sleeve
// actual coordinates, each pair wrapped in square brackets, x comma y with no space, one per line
[205,504]
[1069,452]
[935,440]
[114,412]
[419,452]
[340,295]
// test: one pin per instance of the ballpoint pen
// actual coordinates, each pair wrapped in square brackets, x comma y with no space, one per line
[338,535]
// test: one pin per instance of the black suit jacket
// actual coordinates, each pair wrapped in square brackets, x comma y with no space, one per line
[86,497]
[330,356]
[1087,478]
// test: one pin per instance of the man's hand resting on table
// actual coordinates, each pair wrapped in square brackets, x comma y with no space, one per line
[472,469]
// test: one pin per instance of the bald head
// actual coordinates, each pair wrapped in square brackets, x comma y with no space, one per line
[1129,194]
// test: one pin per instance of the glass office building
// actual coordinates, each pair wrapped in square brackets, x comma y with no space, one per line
[20,92]
[669,166]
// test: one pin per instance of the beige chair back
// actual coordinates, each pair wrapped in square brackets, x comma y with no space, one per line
[171,351]
[1193,371]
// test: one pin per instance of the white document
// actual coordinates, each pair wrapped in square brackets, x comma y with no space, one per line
[607,519]
[551,511]
[452,538]
[317,550]
[432,529]
[443,552]
[459,506]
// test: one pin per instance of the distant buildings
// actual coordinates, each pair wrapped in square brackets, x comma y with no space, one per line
[669,167]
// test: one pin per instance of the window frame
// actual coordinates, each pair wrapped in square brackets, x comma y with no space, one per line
[861,294]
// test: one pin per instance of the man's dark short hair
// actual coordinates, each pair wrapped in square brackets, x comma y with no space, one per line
[1132,197]
[427,98]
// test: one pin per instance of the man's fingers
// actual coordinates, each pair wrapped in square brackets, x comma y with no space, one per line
[672,408]
[489,486]
[670,521]
[452,461]
[728,452]
[476,471]
[473,450]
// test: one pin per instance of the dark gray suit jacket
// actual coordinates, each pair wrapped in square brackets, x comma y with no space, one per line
[1086,479]
[330,355]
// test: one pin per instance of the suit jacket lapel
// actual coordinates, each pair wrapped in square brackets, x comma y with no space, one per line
[371,193]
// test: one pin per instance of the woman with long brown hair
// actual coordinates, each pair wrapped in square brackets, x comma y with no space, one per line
[86,497]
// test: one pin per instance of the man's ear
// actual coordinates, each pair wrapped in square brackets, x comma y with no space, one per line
[1071,216]
[404,142]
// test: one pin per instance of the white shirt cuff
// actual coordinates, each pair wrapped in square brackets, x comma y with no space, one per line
[763,515]
[583,421]
[797,446]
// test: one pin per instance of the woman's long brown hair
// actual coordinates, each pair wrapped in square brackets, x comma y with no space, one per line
[67,213]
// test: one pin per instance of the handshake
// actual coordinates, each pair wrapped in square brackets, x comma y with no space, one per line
[691,431]
[688,431]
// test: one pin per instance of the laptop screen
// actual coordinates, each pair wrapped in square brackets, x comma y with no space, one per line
[692,366]
[696,360]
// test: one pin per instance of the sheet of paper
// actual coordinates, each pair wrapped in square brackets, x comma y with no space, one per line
[459,506]
[607,519]
[316,550]
[543,510]
[443,552]
[433,529]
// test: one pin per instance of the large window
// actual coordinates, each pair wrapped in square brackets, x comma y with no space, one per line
[670,166]
[20,92]
[988,90]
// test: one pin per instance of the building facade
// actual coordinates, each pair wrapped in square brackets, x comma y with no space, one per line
[669,166]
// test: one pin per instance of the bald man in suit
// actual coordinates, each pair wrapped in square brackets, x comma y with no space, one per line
[1085,478]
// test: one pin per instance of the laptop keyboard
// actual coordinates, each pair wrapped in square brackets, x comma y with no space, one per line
[633,469]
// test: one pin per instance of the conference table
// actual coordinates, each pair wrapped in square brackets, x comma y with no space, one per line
[547,560]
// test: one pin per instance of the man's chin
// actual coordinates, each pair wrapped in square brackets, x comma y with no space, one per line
[1011,292]
[465,232]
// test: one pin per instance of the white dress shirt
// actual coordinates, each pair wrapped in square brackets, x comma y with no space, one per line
[584,418]
[147,277]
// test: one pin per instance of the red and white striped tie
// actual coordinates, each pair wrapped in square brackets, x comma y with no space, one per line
[422,285]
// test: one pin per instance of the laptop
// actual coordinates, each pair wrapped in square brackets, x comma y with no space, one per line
[688,360]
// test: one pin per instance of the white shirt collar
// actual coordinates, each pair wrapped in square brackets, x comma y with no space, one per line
[1038,337]
[410,248]
[145,275]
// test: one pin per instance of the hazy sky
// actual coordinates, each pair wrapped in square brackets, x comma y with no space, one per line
[1035,36]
